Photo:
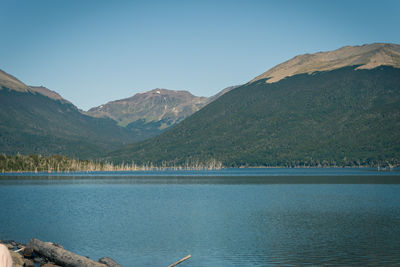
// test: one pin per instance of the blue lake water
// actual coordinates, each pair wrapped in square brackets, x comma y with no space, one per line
[238,217]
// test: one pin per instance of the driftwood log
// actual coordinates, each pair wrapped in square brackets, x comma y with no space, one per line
[60,256]
[180,261]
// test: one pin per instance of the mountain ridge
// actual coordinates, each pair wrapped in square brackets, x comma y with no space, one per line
[10,82]
[366,56]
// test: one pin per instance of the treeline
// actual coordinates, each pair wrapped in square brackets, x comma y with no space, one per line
[340,163]
[57,163]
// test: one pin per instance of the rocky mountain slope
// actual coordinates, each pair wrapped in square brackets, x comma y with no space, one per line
[152,112]
[163,105]
[334,108]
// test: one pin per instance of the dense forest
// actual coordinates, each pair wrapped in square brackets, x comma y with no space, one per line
[31,123]
[344,117]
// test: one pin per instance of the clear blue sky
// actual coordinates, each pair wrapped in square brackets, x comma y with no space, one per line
[92,52]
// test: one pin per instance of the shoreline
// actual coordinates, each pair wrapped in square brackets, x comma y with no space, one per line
[166,169]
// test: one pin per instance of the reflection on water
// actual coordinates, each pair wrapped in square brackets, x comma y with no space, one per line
[228,172]
[201,180]
[221,221]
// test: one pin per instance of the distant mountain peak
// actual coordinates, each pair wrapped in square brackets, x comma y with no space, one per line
[163,91]
[366,56]
[163,106]
[169,106]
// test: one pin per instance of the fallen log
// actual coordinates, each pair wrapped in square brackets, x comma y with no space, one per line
[60,256]
[181,260]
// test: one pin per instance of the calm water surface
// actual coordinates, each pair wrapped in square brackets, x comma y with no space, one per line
[340,217]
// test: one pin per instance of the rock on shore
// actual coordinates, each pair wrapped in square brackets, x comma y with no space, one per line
[48,254]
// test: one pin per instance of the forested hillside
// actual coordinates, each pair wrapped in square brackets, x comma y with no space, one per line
[338,117]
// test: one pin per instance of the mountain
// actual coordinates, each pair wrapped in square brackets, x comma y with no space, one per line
[39,121]
[35,119]
[152,112]
[340,107]
[166,106]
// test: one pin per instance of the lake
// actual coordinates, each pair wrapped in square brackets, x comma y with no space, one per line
[230,217]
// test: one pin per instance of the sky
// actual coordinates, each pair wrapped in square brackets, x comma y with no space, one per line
[92,52]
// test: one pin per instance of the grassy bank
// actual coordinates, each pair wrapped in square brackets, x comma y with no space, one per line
[57,163]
